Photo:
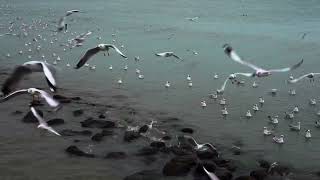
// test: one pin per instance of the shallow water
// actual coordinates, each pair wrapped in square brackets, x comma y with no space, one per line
[269,36]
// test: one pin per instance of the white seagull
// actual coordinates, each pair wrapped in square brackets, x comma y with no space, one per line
[27,68]
[199,146]
[279,140]
[248,114]
[211,175]
[231,77]
[95,50]
[203,104]
[168,54]
[310,76]
[308,134]
[259,72]
[62,21]
[294,127]
[33,91]
[266,131]
[42,123]
[273,120]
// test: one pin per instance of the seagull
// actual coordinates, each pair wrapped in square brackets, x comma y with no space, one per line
[294,127]
[203,104]
[292,92]
[62,24]
[223,101]
[215,76]
[231,77]
[312,101]
[308,134]
[259,72]
[279,140]
[261,100]
[188,77]
[273,120]
[141,76]
[95,50]
[120,82]
[138,71]
[295,109]
[42,123]
[168,54]
[317,124]
[274,91]
[213,96]
[248,114]
[310,76]
[255,107]
[193,18]
[255,85]
[110,67]
[291,77]
[125,67]
[28,68]
[266,131]
[224,111]
[33,91]
[211,175]
[167,85]
[190,84]
[199,146]
[289,115]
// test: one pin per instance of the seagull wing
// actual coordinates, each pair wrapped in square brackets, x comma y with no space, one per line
[87,56]
[118,51]
[61,23]
[211,146]
[176,56]
[288,68]
[14,79]
[53,131]
[234,56]
[37,115]
[211,175]
[244,74]
[14,94]
[161,54]
[224,85]
[49,76]
[49,99]
[301,77]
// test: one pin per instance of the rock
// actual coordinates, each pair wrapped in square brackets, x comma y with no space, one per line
[166,138]
[158,144]
[131,135]
[76,98]
[29,117]
[107,132]
[145,175]
[69,132]
[264,164]
[78,113]
[187,130]
[259,174]
[143,129]
[236,150]
[17,112]
[229,165]
[62,99]
[223,174]
[207,153]
[116,155]
[245,178]
[179,166]
[91,123]
[97,137]
[147,151]
[56,121]
[101,116]
[74,150]
[180,151]
[281,170]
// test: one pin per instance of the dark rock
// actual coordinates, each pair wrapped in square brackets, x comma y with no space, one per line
[207,153]
[107,132]
[180,151]
[145,175]
[76,98]
[36,103]
[259,174]
[116,155]
[245,178]
[166,138]
[236,150]
[78,113]
[17,112]
[76,140]
[74,150]
[158,144]
[131,135]
[69,132]
[101,116]
[97,137]
[29,117]
[61,98]
[219,161]
[56,121]
[223,174]
[187,130]
[143,129]
[281,170]
[179,166]
[264,164]
[229,165]
[147,151]
[91,123]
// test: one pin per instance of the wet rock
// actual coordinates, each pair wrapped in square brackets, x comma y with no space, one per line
[147,151]
[74,150]
[223,174]
[78,113]
[281,170]
[62,99]
[158,144]
[180,151]
[259,174]
[207,154]
[245,178]
[101,116]
[17,112]
[69,132]
[29,117]
[116,155]
[107,132]
[236,150]
[179,166]
[166,138]
[91,123]
[97,137]
[187,130]
[143,129]
[131,135]
[264,164]
[145,175]
[229,165]
[76,98]
[56,121]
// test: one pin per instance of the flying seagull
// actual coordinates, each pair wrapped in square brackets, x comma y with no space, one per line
[168,54]
[42,123]
[231,77]
[33,91]
[310,76]
[26,69]
[95,50]
[62,21]
[259,72]
[211,175]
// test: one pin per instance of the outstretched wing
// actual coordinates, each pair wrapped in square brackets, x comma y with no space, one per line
[118,51]
[211,175]
[14,94]
[49,99]
[223,86]
[161,54]
[37,115]
[301,77]
[53,131]
[234,56]
[49,77]
[87,56]
[61,23]
[176,56]
[288,68]
[12,82]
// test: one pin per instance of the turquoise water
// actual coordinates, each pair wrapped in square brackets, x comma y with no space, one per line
[270,36]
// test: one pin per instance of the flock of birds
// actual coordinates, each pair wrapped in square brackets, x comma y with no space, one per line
[11,84]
